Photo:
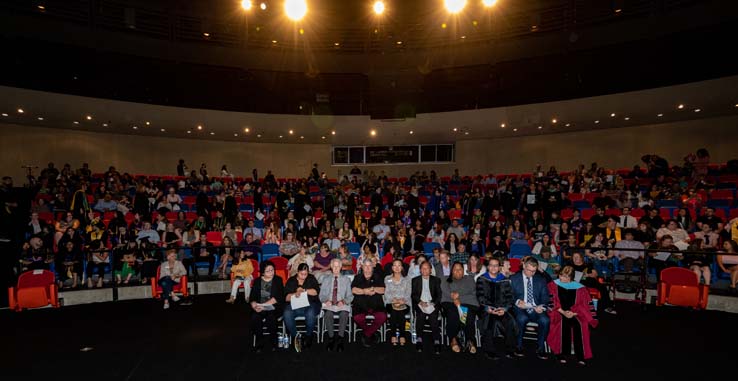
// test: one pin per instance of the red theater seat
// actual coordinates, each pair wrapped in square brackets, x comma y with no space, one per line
[180,287]
[680,287]
[35,288]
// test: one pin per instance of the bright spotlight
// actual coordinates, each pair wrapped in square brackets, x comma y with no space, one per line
[455,6]
[379,7]
[295,9]
[246,5]
[489,3]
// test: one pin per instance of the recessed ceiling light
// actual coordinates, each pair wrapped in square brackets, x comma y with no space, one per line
[502,125]
[399,42]
[333,132]
[302,137]
[736,105]
[75,122]
[411,132]
[263,6]
[235,135]
[148,123]
[463,37]
[274,41]
[612,115]
[540,127]
[206,34]
[199,127]
[258,135]
[680,106]
[455,129]
[105,124]
[163,130]
[515,130]
[336,44]
[212,133]
[246,130]
[466,133]
[4,114]
[292,132]
[189,132]
[88,117]
[568,124]
[135,127]
[302,31]
[660,115]
[697,110]
[20,111]
[280,136]
[373,132]
[40,118]
[554,121]
[627,118]
[597,121]
[322,137]
[41,7]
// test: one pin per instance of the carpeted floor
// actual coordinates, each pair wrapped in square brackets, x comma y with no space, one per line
[210,340]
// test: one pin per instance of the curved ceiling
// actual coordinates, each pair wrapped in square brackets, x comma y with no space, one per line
[705,99]
[158,52]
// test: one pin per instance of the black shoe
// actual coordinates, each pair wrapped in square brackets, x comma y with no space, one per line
[339,348]
[519,353]
[437,349]
[510,355]
[491,356]
[308,342]
[331,343]
[542,355]
[419,347]
[366,342]
[258,348]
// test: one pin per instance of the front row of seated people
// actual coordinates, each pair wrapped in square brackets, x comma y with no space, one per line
[503,306]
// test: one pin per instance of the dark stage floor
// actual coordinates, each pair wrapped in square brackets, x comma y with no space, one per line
[209,340]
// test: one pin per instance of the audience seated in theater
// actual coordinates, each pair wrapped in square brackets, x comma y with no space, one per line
[289,246]
[680,237]
[729,263]
[301,257]
[443,268]
[203,251]
[630,259]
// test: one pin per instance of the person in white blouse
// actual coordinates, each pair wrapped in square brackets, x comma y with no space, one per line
[397,298]
[679,235]
[171,273]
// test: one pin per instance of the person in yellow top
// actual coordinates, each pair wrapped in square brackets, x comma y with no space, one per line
[242,273]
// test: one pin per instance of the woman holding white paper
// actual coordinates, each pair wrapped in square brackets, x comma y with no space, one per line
[302,300]
[397,298]
[267,299]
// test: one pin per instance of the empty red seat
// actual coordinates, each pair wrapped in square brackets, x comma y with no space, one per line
[214,237]
[721,194]
[681,287]
[34,289]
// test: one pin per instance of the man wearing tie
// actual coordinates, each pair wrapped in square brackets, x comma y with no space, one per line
[626,220]
[531,300]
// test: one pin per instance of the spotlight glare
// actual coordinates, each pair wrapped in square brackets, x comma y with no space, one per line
[680,107]
[5,114]
[76,122]
[455,6]
[373,132]
[295,9]
[597,121]
[88,117]
[515,130]
[333,132]
[292,132]
[502,125]
[489,3]
[660,115]
[568,124]
[246,5]
[40,118]
[379,7]
[263,6]
[540,127]
[411,132]
[20,111]
[189,132]
[322,137]
[199,127]
[163,130]
[612,115]
[697,110]
[246,129]
[455,129]
[212,133]
[554,121]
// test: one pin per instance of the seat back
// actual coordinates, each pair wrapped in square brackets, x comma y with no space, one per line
[429,246]
[269,250]
[35,278]
[679,277]
[280,263]
[34,289]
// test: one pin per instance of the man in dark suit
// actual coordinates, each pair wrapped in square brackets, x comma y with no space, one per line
[203,251]
[531,299]
[426,295]
[443,267]
[413,243]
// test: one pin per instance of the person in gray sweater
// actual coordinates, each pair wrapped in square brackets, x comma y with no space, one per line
[460,304]
[397,290]
[336,297]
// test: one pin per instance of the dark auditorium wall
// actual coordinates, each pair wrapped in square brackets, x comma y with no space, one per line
[613,148]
